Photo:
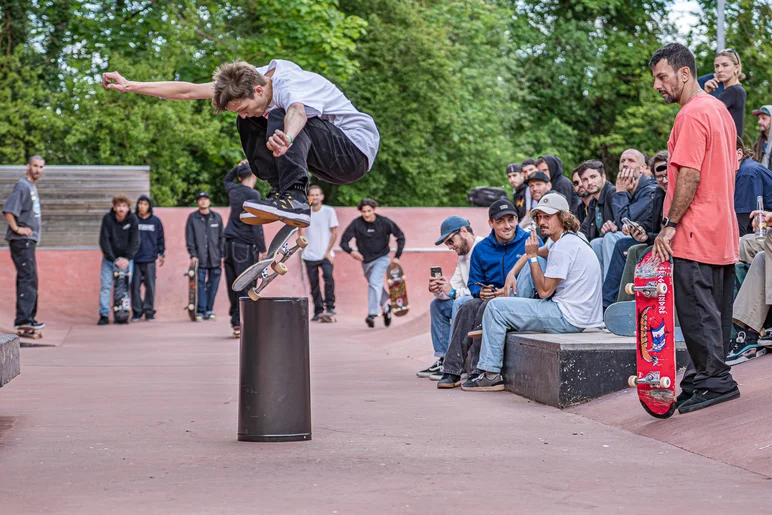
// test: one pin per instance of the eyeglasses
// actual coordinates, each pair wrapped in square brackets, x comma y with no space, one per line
[449,241]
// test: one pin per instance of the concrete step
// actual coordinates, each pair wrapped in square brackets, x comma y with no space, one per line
[10,363]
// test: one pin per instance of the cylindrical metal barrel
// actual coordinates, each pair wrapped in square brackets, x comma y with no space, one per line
[274,375]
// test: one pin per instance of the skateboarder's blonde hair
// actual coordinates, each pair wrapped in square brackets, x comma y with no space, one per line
[234,81]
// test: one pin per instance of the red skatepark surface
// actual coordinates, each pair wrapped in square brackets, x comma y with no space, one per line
[142,418]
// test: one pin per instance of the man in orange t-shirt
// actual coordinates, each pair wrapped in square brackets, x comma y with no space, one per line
[700,229]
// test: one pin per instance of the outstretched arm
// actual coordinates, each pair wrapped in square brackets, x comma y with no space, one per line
[173,90]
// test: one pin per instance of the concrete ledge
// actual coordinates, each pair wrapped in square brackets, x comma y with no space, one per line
[10,363]
[566,369]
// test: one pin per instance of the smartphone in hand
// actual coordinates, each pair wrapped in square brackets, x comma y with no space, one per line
[436,272]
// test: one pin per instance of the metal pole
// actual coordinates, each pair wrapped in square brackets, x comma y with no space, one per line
[720,32]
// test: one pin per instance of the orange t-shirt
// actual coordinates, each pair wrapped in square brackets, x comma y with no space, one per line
[704,137]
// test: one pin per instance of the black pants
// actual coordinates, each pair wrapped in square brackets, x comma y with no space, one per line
[23,257]
[144,273]
[312,267]
[703,300]
[320,147]
[238,257]
[468,317]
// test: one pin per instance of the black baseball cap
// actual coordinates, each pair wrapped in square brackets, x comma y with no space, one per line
[538,176]
[201,195]
[501,208]
[514,168]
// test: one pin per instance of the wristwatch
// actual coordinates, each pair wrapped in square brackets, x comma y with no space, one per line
[667,223]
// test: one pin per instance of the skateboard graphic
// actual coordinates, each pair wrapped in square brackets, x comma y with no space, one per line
[121,298]
[655,336]
[192,275]
[272,266]
[397,290]
[27,331]
[620,320]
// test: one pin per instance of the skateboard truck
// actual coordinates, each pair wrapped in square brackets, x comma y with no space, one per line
[652,380]
[278,267]
[650,290]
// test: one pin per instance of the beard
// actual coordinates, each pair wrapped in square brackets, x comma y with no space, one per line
[463,248]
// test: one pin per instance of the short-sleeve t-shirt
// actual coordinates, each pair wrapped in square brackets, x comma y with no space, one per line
[318,233]
[322,98]
[704,138]
[734,99]
[579,295]
[752,181]
[24,204]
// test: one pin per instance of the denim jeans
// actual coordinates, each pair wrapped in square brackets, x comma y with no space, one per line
[540,315]
[604,248]
[106,285]
[443,312]
[144,273]
[376,294]
[616,266]
[207,289]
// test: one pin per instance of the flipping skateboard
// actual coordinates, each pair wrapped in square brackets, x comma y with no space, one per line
[27,331]
[655,336]
[397,290]
[620,320]
[192,275]
[121,298]
[272,266]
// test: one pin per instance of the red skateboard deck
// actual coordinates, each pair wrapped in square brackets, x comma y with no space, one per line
[655,336]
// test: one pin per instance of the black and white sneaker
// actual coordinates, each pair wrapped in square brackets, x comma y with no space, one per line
[745,346]
[387,315]
[291,207]
[483,383]
[370,320]
[434,368]
[37,326]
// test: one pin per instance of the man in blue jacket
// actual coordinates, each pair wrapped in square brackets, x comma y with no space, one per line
[492,260]
[151,249]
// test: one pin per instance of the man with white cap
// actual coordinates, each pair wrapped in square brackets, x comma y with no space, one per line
[570,291]
[762,148]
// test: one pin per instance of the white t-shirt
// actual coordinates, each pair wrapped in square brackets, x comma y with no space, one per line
[579,295]
[322,98]
[318,233]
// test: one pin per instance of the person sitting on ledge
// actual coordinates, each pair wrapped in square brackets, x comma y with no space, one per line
[569,290]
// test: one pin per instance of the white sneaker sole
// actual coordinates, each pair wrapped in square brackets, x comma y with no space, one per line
[271,214]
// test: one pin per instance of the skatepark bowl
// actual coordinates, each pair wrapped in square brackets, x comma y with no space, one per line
[141,418]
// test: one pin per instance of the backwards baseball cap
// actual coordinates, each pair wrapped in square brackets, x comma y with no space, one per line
[201,195]
[449,226]
[538,176]
[767,110]
[551,203]
[514,168]
[501,207]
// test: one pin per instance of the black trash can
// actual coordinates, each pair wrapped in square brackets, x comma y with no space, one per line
[274,376]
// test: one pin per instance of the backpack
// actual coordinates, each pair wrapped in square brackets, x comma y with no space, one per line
[484,196]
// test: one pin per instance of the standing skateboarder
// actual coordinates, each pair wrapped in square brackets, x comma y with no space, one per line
[119,241]
[205,241]
[290,121]
[151,249]
[321,235]
[700,229]
[22,211]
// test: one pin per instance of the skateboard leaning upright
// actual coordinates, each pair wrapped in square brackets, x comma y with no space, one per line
[192,275]
[121,298]
[397,290]
[655,336]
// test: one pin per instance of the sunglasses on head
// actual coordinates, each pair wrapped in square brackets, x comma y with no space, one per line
[661,168]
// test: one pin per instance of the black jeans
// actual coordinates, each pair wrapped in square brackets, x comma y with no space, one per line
[312,267]
[703,300]
[144,273]
[468,317]
[238,257]
[23,257]
[320,147]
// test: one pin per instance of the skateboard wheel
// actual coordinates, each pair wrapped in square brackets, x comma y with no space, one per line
[191,307]
[302,242]
[190,273]
[629,288]
[253,294]
[279,268]
[115,274]
[632,381]
[664,382]
[115,308]
[661,289]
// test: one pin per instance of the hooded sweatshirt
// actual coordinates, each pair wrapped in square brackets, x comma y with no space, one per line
[491,260]
[560,182]
[151,235]
[119,239]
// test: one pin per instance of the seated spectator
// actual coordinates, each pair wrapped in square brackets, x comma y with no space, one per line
[751,182]
[456,233]
[658,167]
[762,148]
[553,167]
[538,184]
[491,258]
[516,179]
[600,215]
[751,306]
[584,197]
[569,292]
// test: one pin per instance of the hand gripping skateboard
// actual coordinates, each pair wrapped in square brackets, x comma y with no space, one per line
[655,336]
[397,290]
[192,275]
[121,298]
[272,266]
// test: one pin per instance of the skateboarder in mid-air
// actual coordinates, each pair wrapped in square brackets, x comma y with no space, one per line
[290,122]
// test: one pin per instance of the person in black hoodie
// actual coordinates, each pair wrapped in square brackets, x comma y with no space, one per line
[517,179]
[119,241]
[244,243]
[599,212]
[373,235]
[560,183]
[151,248]
[205,241]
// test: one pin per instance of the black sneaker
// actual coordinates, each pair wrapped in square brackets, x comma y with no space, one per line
[330,312]
[315,318]
[683,397]
[103,320]
[706,398]
[387,315]
[449,381]
[291,207]
[370,320]
[469,383]
[482,383]
[745,346]
[136,318]
[431,369]
[150,318]
[37,326]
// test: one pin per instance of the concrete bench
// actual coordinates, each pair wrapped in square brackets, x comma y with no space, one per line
[566,369]
[10,363]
